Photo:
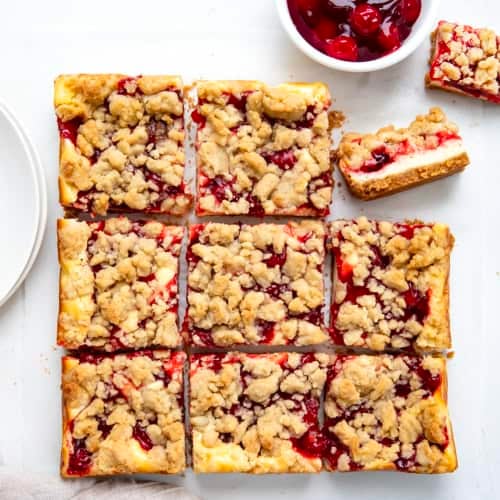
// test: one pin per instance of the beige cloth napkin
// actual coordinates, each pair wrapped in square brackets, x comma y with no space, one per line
[23,486]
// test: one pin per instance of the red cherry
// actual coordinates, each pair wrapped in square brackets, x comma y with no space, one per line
[366,19]
[388,38]
[342,47]
[326,29]
[410,10]
[309,9]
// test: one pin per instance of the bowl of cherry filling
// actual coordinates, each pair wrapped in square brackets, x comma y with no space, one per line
[357,35]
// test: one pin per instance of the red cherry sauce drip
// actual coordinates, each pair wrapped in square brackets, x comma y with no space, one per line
[266,330]
[104,427]
[198,118]
[380,159]
[355,30]
[256,208]
[140,434]
[276,259]
[80,459]
[284,159]
[210,361]
[124,83]
[239,102]
[69,129]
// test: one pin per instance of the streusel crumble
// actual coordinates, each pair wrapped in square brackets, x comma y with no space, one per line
[118,284]
[388,413]
[256,413]
[263,150]
[121,143]
[123,414]
[256,284]
[391,285]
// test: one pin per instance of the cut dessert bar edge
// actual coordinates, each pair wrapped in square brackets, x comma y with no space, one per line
[445,462]
[72,104]
[318,91]
[77,287]
[130,454]
[415,177]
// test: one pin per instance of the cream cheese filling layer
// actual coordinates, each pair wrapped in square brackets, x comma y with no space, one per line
[418,159]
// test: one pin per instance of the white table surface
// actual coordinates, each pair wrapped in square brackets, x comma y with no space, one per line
[236,39]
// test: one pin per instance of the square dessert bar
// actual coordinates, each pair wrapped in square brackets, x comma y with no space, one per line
[263,150]
[391,285]
[118,284]
[256,413]
[123,414]
[392,160]
[388,413]
[255,284]
[465,60]
[121,143]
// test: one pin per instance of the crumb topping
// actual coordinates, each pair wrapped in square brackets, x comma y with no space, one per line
[259,410]
[122,143]
[263,150]
[118,284]
[256,284]
[365,153]
[388,412]
[467,59]
[391,284]
[123,413]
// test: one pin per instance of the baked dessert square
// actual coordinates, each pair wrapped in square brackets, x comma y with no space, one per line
[255,284]
[256,413]
[123,414]
[465,60]
[121,143]
[118,284]
[262,150]
[391,287]
[388,412]
[392,160]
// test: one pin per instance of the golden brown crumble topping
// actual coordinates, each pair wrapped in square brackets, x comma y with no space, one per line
[365,153]
[256,284]
[256,413]
[122,143]
[466,60]
[263,150]
[388,412]
[391,285]
[118,284]
[123,414]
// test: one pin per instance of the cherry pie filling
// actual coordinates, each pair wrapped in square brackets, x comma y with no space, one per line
[225,188]
[81,458]
[388,154]
[355,30]
[417,304]
[429,383]
[168,293]
[157,131]
[277,291]
[443,54]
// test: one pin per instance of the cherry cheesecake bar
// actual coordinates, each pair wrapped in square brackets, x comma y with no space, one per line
[255,284]
[390,287]
[118,284]
[465,60]
[262,150]
[392,160]
[121,143]
[388,413]
[256,413]
[123,414]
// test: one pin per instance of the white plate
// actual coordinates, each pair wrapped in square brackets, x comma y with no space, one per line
[22,203]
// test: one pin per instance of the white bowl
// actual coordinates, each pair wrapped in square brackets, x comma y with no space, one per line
[420,31]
